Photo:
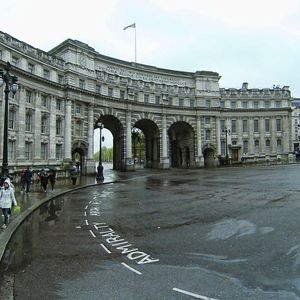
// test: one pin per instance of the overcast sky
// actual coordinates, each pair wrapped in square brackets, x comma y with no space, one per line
[255,41]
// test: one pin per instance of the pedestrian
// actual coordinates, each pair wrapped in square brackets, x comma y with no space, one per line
[28,178]
[44,179]
[52,179]
[73,174]
[23,183]
[7,199]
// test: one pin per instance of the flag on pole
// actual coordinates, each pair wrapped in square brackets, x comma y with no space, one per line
[129,26]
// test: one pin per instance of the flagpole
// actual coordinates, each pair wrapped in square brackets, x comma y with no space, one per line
[135,43]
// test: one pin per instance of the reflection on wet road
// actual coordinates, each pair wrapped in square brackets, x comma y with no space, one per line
[202,234]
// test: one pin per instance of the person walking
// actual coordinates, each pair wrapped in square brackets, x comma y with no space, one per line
[73,174]
[7,199]
[44,179]
[52,179]
[23,183]
[28,178]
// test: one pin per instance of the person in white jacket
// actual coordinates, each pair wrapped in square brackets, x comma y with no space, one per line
[7,199]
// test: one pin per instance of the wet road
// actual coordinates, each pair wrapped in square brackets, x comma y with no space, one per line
[200,234]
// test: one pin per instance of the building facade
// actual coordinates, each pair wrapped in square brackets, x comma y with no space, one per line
[186,118]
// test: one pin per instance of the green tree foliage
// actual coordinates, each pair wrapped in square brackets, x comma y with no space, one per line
[107,154]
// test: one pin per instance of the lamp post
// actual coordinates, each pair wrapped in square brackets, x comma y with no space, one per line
[100,166]
[10,86]
[226,131]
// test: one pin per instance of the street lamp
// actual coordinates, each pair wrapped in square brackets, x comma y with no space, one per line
[100,167]
[226,131]
[10,86]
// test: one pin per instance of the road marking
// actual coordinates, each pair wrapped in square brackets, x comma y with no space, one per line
[131,269]
[86,207]
[105,248]
[92,233]
[86,222]
[192,294]
[84,213]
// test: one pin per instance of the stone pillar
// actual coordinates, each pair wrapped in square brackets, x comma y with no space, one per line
[52,131]
[199,157]
[262,141]
[273,136]
[285,130]
[37,129]
[218,136]
[129,160]
[251,137]
[90,163]
[68,131]
[21,130]
[165,162]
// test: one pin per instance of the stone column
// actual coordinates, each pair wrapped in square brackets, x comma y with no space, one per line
[52,131]
[129,161]
[199,157]
[273,136]
[68,131]
[262,141]
[218,136]
[165,163]
[285,130]
[251,137]
[90,163]
[21,130]
[37,128]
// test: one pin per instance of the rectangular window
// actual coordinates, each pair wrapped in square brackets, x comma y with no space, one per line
[122,94]
[78,128]
[267,125]
[28,96]
[267,104]
[207,134]
[58,126]
[233,126]
[44,101]
[222,125]
[15,61]
[146,98]
[110,92]
[44,125]
[98,89]
[60,79]
[81,84]
[233,104]
[192,103]
[28,122]
[181,102]
[244,104]
[207,120]
[157,99]
[278,124]
[222,104]
[58,151]
[256,146]
[44,151]
[28,147]
[245,126]
[11,150]
[245,146]
[58,104]
[207,103]
[223,145]
[255,123]
[46,74]
[11,119]
[78,109]
[30,68]
[255,104]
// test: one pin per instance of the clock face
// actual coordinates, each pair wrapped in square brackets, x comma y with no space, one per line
[82,60]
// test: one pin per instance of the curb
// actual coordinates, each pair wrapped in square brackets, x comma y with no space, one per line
[7,234]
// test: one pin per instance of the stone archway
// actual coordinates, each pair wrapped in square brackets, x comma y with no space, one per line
[114,125]
[209,156]
[79,155]
[152,142]
[181,136]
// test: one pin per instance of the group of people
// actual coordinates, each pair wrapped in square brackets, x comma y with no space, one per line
[7,190]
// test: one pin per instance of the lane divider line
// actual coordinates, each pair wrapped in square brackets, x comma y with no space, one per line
[92,233]
[192,294]
[86,207]
[105,248]
[86,222]
[84,213]
[131,269]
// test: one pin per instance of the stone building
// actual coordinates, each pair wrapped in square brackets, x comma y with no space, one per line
[186,118]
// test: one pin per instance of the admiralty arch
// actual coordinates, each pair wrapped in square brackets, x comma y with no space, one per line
[187,119]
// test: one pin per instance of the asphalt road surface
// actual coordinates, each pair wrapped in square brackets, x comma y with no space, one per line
[229,233]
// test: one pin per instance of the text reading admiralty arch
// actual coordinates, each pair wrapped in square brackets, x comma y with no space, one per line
[183,115]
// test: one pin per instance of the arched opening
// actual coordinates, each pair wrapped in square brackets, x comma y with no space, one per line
[181,136]
[107,147]
[79,155]
[114,133]
[138,147]
[209,156]
[150,143]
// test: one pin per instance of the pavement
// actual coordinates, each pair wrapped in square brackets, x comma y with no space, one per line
[31,201]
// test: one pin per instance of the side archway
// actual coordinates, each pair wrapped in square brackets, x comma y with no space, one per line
[79,155]
[209,151]
[182,145]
